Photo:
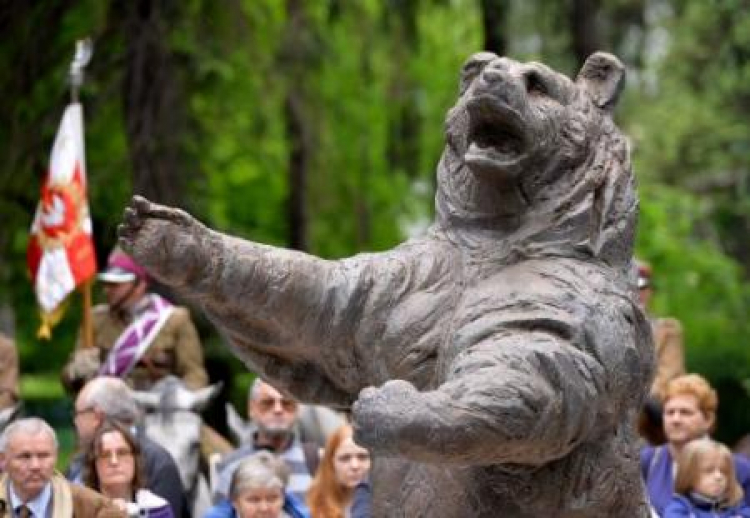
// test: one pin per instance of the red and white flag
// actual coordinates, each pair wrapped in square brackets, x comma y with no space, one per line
[61,253]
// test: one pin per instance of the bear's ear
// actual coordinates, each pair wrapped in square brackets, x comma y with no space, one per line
[602,76]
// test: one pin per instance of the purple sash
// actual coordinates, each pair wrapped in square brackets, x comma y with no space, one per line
[137,337]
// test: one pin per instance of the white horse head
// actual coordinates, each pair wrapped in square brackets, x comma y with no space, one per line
[173,421]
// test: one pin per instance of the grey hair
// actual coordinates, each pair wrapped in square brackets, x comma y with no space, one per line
[27,426]
[252,393]
[262,470]
[113,398]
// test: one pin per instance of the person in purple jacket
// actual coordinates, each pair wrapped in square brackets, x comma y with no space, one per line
[689,413]
[705,484]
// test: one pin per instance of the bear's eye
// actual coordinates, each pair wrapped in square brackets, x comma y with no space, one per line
[470,71]
[535,84]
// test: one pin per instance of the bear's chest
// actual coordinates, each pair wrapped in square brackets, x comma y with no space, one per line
[495,303]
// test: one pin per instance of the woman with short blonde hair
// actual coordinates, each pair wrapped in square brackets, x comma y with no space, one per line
[257,486]
[258,490]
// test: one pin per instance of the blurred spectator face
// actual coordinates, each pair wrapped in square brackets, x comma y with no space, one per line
[273,413]
[124,295]
[351,463]
[86,418]
[684,420]
[259,503]
[644,296]
[645,289]
[115,464]
[30,463]
[712,480]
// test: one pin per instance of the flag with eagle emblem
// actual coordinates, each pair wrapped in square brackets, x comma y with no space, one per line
[61,253]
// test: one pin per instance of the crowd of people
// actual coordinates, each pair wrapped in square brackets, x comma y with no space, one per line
[276,470]
[118,470]
[686,473]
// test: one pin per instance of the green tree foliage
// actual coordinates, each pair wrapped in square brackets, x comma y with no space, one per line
[703,287]
[375,79]
[687,112]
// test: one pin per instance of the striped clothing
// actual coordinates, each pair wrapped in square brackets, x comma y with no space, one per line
[294,456]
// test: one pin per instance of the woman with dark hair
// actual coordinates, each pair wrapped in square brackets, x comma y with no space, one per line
[343,467]
[114,467]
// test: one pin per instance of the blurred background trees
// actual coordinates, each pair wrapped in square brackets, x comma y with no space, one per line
[318,124]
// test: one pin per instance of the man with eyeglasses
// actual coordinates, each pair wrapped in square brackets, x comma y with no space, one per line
[274,417]
[108,398]
[30,488]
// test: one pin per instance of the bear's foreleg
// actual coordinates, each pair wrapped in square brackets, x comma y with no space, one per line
[528,398]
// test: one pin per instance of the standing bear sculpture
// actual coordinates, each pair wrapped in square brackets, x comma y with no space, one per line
[494,367]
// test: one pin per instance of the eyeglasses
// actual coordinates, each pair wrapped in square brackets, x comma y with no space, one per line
[110,455]
[82,411]
[269,403]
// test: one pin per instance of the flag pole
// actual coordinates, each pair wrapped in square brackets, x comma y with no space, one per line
[88,327]
[84,49]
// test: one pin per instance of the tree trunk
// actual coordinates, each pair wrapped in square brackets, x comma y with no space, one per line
[32,102]
[585,39]
[494,21]
[296,125]
[297,211]
[403,136]
[153,102]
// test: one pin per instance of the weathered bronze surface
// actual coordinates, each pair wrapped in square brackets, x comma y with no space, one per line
[495,366]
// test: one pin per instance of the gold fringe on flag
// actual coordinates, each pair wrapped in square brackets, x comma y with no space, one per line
[50,320]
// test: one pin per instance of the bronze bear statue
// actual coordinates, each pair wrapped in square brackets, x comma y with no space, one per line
[495,366]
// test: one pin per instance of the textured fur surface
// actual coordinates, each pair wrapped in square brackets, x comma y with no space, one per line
[494,366]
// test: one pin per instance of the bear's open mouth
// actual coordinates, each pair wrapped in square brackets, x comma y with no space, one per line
[496,137]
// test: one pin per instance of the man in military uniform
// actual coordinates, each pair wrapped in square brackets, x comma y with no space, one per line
[138,335]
